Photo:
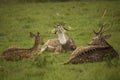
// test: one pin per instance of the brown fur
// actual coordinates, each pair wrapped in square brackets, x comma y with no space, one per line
[54,45]
[97,50]
[20,53]
[69,46]
[91,54]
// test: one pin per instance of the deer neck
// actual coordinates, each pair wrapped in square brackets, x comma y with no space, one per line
[35,46]
[105,43]
[62,38]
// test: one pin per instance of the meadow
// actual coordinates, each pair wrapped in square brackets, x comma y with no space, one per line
[18,19]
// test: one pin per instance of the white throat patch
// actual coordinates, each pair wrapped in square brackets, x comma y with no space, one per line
[62,38]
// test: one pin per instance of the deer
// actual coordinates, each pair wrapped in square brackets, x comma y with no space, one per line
[15,53]
[61,44]
[97,50]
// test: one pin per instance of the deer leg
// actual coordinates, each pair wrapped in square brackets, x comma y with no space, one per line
[59,49]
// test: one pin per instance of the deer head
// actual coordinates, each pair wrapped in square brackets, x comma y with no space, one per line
[38,38]
[100,39]
[59,28]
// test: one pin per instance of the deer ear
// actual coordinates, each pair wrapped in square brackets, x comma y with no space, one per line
[53,31]
[31,34]
[66,28]
[38,33]
[107,36]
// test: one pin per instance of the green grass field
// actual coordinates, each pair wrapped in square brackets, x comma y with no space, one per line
[17,20]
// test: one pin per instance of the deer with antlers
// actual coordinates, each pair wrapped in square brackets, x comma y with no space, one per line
[61,44]
[21,53]
[97,50]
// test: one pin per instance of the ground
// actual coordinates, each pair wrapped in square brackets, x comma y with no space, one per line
[17,20]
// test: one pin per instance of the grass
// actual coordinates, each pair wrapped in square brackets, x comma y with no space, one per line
[17,20]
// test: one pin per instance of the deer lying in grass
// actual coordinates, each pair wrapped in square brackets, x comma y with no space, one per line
[97,50]
[20,53]
[61,44]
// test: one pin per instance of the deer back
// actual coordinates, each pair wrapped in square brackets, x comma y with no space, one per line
[21,53]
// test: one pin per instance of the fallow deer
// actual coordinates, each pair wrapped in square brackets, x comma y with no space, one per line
[95,51]
[21,53]
[61,44]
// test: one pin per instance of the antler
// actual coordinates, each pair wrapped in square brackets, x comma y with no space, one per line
[101,29]
[110,25]
[66,28]
[62,24]
[101,26]
[104,13]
